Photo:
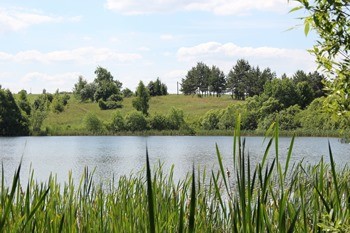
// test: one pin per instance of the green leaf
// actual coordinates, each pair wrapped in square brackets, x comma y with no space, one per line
[296,9]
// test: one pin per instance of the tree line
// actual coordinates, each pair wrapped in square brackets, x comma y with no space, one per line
[244,80]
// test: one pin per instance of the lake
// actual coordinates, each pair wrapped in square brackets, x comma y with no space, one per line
[121,155]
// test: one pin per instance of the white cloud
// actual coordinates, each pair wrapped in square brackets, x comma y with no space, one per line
[86,55]
[51,83]
[220,7]
[144,49]
[225,55]
[166,37]
[16,19]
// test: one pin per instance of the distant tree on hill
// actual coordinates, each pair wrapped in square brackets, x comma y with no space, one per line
[217,81]
[237,79]
[140,103]
[157,88]
[197,80]
[78,87]
[104,90]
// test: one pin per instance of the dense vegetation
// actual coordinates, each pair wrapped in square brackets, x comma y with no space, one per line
[270,196]
[296,102]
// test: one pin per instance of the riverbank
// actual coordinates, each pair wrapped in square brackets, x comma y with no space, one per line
[283,133]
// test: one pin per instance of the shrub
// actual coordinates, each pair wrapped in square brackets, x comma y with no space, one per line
[135,121]
[211,120]
[104,105]
[57,105]
[227,118]
[118,122]
[176,118]
[159,122]
[93,123]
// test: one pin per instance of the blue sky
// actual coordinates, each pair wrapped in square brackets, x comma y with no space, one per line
[48,44]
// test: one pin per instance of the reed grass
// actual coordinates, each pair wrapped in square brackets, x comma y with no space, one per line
[269,197]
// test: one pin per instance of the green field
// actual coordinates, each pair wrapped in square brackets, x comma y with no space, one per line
[72,118]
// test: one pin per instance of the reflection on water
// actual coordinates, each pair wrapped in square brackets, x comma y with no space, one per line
[122,155]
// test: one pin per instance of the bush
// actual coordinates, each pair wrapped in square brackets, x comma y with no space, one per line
[104,105]
[57,105]
[159,122]
[65,99]
[211,120]
[135,121]
[118,122]
[287,119]
[176,118]
[127,93]
[93,123]
[227,118]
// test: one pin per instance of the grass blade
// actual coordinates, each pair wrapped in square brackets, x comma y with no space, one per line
[193,204]
[222,169]
[334,174]
[289,156]
[150,196]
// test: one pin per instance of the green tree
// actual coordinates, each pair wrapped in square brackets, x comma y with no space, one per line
[157,88]
[237,79]
[140,103]
[88,92]
[79,86]
[284,90]
[108,91]
[197,80]
[23,102]
[12,122]
[331,21]
[127,93]
[217,81]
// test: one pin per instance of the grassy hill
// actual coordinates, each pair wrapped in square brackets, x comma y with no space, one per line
[71,120]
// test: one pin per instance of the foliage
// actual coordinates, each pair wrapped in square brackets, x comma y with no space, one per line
[78,87]
[157,88]
[246,81]
[284,90]
[127,93]
[23,102]
[217,81]
[176,118]
[135,121]
[109,104]
[142,98]
[159,122]
[93,123]
[104,88]
[88,92]
[228,117]
[211,120]
[118,122]
[12,122]
[331,21]
[197,80]
[287,119]
[57,105]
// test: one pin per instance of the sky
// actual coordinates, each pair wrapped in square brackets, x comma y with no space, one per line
[48,44]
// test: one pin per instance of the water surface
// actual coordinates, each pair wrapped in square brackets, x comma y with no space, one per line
[121,155]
